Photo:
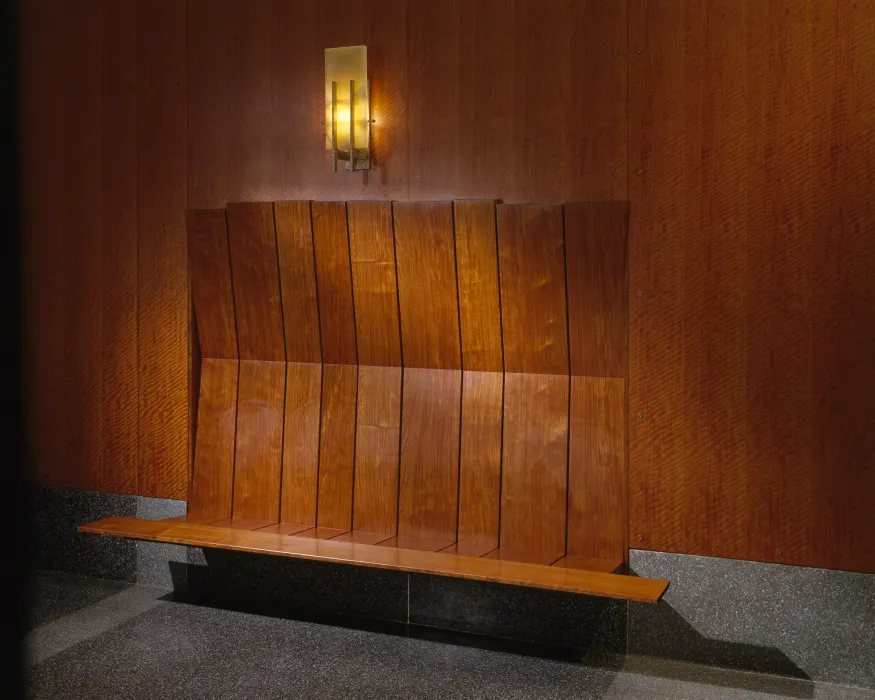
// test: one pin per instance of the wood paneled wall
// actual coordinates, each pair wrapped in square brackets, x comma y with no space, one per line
[749,171]
[752,307]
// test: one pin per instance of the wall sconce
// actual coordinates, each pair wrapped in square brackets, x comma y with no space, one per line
[347,107]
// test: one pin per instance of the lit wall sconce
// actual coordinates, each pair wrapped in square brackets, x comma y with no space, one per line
[347,107]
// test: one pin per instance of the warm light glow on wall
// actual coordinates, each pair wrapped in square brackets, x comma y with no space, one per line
[347,106]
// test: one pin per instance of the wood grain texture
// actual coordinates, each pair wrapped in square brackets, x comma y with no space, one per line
[480,459]
[532,277]
[80,253]
[523,101]
[752,443]
[163,302]
[429,488]
[209,263]
[212,477]
[255,272]
[377,449]
[294,237]
[595,259]
[842,301]
[207,101]
[334,282]
[427,289]
[534,464]
[375,289]
[597,492]
[259,441]
[118,311]
[337,447]
[594,583]
[301,443]
[477,262]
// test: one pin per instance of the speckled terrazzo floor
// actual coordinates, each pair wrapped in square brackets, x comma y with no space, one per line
[95,639]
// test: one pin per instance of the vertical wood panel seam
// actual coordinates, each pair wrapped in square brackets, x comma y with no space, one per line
[461,370]
[237,335]
[321,368]
[503,372]
[568,355]
[355,335]
[401,355]
[316,286]
[279,273]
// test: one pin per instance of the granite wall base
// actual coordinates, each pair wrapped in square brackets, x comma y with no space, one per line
[57,546]
[789,620]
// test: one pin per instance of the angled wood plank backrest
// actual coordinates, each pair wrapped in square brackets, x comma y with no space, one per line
[443,376]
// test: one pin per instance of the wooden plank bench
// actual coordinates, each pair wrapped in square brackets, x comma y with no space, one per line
[557,578]
[432,387]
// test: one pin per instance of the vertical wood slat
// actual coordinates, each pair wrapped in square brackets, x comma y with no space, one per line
[378,414]
[597,492]
[428,494]
[535,466]
[477,259]
[375,289]
[337,446]
[480,462]
[301,436]
[255,271]
[482,380]
[427,288]
[213,470]
[301,443]
[377,450]
[163,294]
[536,384]
[209,261]
[334,283]
[259,440]
[432,382]
[532,278]
[294,234]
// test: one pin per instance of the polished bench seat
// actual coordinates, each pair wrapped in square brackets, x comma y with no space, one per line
[264,541]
